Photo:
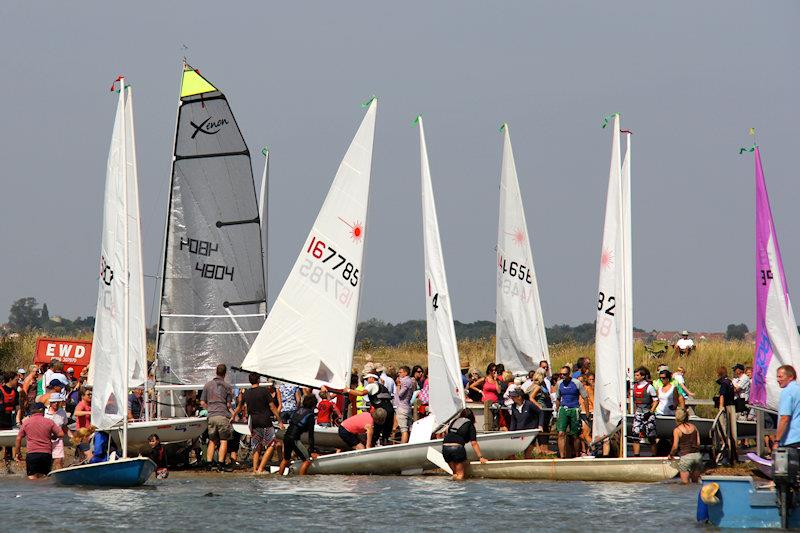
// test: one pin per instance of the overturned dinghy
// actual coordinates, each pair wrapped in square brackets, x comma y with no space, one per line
[414,458]
[636,469]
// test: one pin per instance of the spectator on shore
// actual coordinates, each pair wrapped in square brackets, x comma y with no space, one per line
[741,390]
[136,404]
[788,432]
[405,390]
[581,368]
[725,403]
[685,345]
[9,402]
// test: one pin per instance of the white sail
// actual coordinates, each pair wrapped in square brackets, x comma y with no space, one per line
[627,329]
[309,333]
[138,326]
[444,372]
[521,339]
[108,368]
[610,359]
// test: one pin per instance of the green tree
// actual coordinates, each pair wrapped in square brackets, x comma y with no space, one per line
[24,314]
[736,332]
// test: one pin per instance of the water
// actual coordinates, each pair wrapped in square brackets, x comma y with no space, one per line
[339,503]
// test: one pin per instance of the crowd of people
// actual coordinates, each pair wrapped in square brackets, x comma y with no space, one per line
[378,408]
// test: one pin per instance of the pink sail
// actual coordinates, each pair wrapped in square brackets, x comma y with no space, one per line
[777,339]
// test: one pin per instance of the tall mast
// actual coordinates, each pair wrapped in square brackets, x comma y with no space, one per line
[263,215]
[127,271]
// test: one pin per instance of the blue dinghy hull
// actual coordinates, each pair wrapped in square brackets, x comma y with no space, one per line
[740,504]
[128,472]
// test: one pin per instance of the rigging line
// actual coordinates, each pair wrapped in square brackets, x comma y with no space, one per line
[207,332]
[212,316]
[239,329]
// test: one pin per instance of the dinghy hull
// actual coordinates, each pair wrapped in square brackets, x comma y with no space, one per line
[413,458]
[168,431]
[637,469]
[129,472]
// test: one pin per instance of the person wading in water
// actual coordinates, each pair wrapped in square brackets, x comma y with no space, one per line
[459,433]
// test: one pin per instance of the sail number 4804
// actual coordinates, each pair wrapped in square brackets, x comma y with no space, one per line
[335,260]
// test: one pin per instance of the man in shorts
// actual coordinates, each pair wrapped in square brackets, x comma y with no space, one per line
[260,409]
[38,432]
[216,399]
[645,400]
[570,394]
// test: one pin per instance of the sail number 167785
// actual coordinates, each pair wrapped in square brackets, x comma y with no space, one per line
[334,259]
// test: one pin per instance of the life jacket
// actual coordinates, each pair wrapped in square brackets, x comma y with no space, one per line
[458,430]
[383,398]
[301,421]
[8,400]
[360,400]
[642,398]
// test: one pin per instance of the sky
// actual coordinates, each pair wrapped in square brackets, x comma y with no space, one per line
[689,79]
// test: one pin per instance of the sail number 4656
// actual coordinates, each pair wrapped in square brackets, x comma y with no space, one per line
[515,270]
[320,250]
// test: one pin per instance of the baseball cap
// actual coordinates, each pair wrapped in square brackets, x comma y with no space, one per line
[662,368]
[515,393]
[21,371]
[38,406]
[738,366]
[56,383]
[70,369]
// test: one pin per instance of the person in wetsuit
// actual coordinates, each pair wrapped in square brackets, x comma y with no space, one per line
[301,421]
[461,431]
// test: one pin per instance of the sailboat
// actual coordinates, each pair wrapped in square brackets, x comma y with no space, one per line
[777,344]
[521,341]
[444,376]
[119,323]
[213,289]
[613,353]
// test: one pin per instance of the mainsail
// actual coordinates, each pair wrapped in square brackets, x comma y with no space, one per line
[309,334]
[611,328]
[521,339]
[444,376]
[119,319]
[777,339]
[213,296]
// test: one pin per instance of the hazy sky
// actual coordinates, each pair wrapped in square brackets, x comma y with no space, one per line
[688,77]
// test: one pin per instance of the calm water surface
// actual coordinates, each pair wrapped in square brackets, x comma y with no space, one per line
[343,503]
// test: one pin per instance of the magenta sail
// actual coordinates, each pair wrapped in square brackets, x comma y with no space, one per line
[776,330]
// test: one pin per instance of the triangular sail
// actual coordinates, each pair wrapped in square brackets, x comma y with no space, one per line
[213,295]
[610,358]
[777,339]
[521,339]
[444,374]
[310,331]
[108,371]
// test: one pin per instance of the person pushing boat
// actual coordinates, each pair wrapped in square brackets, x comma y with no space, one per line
[379,398]
[361,424]
[458,434]
[302,421]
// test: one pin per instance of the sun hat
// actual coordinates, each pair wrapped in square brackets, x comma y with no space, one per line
[371,376]
[684,332]
[21,371]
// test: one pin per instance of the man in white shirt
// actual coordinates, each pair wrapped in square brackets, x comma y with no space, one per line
[387,381]
[741,391]
[685,345]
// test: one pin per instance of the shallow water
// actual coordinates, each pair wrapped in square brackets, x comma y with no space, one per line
[346,502]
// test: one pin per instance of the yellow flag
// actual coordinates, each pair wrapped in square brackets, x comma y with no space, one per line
[752,132]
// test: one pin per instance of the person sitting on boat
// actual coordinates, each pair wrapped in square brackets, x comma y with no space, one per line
[136,404]
[489,388]
[645,401]
[379,397]
[458,434]
[685,345]
[38,432]
[788,432]
[158,454]
[361,424]
[570,394]
[524,415]
[302,421]
[686,442]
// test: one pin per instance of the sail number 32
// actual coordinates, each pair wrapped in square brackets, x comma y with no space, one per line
[328,254]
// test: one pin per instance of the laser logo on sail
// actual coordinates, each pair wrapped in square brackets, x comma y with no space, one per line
[208,126]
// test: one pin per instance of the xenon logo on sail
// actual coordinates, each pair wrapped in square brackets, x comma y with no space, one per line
[208,126]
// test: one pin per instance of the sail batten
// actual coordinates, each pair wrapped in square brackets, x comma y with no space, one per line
[309,334]
[777,338]
[213,255]
[444,374]
[521,341]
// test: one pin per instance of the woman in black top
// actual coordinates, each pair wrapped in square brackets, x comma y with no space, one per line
[460,431]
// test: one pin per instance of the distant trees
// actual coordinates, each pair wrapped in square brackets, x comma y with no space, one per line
[26,314]
[736,332]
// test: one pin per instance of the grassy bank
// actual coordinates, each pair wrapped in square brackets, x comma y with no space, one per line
[700,367]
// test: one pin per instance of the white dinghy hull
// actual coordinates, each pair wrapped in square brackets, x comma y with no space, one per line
[399,458]
[636,469]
